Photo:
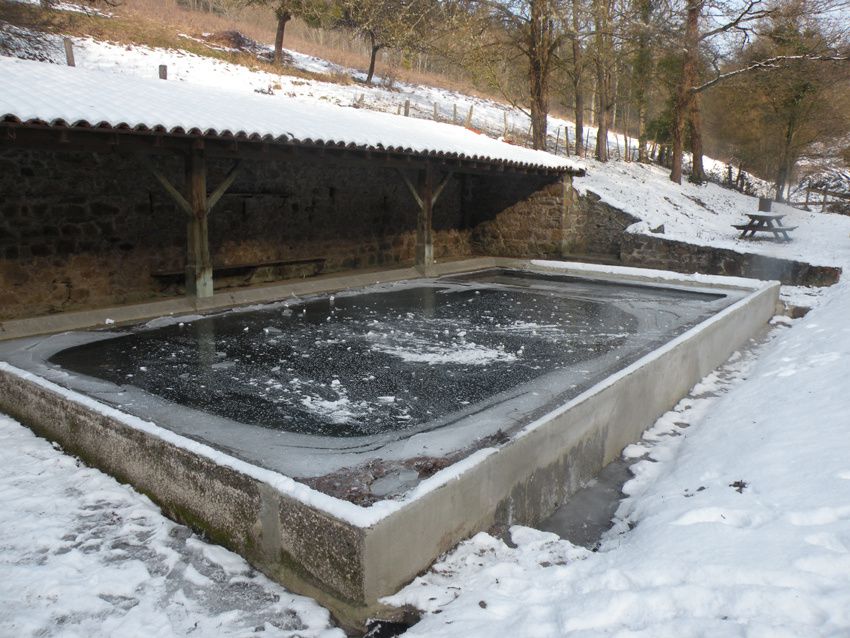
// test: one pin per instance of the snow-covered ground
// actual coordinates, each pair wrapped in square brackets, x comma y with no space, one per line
[82,555]
[737,522]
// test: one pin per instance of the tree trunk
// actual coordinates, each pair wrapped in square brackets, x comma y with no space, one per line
[615,101]
[593,113]
[604,53]
[538,72]
[684,95]
[642,76]
[579,101]
[372,59]
[695,130]
[786,160]
[578,85]
[282,18]
[604,106]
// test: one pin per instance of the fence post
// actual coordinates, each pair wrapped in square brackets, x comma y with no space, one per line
[69,51]
[163,71]
[469,117]
[407,108]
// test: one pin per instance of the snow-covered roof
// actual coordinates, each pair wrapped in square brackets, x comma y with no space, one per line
[59,96]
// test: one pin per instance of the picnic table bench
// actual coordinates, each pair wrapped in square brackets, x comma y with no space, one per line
[765,223]
[245,270]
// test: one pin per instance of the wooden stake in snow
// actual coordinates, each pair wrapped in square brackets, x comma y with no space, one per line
[407,108]
[567,140]
[557,140]
[454,114]
[506,123]
[469,117]
[163,71]
[69,51]
[435,111]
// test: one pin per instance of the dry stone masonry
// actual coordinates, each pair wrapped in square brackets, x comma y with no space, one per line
[85,230]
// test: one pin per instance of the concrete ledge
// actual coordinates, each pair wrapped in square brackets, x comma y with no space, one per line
[348,557]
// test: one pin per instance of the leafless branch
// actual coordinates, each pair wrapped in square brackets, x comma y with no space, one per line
[769,63]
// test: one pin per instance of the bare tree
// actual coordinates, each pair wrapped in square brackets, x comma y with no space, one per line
[384,24]
[605,72]
[643,67]
[284,11]
[698,30]
[514,44]
[577,71]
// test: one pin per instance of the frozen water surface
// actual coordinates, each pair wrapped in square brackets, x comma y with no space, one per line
[392,358]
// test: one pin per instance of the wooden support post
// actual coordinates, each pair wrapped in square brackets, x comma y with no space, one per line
[567,140]
[469,117]
[454,113]
[407,108]
[557,140]
[199,275]
[424,221]
[163,71]
[505,134]
[69,51]
[197,206]
[426,195]
[435,111]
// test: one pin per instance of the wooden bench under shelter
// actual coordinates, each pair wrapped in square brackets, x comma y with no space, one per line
[765,223]
[246,272]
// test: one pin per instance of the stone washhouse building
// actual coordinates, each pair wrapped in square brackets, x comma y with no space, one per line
[120,191]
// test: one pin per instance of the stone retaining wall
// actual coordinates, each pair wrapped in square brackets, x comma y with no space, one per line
[667,254]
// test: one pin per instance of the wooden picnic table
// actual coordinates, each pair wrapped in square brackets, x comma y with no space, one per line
[765,223]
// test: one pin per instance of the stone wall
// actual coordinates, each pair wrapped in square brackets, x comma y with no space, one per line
[82,230]
[657,252]
[531,221]
[594,228]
